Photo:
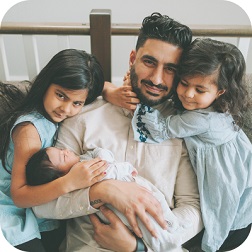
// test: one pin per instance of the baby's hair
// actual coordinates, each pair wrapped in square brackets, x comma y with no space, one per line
[208,57]
[40,170]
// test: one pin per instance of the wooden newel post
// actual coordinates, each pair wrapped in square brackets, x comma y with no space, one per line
[100,35]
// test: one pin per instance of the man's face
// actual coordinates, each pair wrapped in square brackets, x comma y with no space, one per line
[153,70]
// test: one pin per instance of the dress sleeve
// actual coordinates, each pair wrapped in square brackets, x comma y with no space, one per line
[158,128]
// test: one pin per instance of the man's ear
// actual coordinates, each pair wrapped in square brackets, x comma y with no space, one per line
[132,58]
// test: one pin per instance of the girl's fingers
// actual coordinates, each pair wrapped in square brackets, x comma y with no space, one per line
[131,94]
[99,177]
[95,164]
[99,168]
[134,101]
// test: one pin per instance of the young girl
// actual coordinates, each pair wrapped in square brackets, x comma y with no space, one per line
[70,79]
[212,93]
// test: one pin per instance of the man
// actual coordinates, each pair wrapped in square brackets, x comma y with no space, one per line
[101,124]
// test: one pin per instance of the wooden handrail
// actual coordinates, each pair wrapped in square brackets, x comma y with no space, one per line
[116,29]
[45,28]
[100,29]
[197,30]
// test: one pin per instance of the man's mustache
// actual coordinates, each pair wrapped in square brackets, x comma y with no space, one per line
[150,83]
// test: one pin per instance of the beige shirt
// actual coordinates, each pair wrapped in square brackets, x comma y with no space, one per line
[166,165]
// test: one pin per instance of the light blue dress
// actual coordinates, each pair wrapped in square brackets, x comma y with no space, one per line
[20,225]
[221,157]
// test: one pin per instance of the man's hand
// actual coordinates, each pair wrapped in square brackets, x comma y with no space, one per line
[115,236]
[132,200]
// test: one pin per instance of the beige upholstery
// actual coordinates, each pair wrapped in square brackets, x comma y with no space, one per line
[11,93]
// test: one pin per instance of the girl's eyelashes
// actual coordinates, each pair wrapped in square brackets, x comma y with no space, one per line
[78,103]
[61,96]
[200,91]
[183,83]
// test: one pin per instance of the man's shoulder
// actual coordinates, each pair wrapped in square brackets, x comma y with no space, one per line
[99,103]
[97,110]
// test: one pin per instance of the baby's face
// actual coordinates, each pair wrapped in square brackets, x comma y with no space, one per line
[63,159]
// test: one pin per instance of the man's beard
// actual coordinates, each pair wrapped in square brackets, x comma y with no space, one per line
[143,99]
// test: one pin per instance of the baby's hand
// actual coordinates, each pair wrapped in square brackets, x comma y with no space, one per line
[85,174]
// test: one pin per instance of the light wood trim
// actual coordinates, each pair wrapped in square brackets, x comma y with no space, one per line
[116,29]
[45,28]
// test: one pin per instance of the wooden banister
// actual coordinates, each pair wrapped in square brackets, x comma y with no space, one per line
[101,30]
[100,35]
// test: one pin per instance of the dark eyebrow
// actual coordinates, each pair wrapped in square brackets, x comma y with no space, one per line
[203,87]
[175,66]
[197,85]
[62,92]
[146,56]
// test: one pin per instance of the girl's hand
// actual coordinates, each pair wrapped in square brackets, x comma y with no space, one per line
[115,236]
[85,174]
[121,96]
[132,200]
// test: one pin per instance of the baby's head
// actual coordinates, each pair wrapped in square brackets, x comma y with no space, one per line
[49,164]
[214,70]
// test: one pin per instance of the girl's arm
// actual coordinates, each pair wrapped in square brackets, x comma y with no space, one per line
[26,142]
[120,96]
[156,128]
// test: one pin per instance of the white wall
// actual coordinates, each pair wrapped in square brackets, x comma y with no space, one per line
[189,12]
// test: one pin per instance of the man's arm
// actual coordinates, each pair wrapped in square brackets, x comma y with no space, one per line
[187,202]
[70,205]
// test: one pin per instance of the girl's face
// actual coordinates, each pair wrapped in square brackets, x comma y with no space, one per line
[198,92]
[63,159]
[61,103]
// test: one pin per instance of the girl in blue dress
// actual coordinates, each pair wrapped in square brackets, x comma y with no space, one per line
[213,96]
[71,79]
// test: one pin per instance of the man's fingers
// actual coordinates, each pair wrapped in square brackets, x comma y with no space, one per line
[110,215]
[95,220]
[147,223]
[157,213]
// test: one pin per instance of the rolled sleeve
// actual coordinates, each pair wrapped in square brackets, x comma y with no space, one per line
[70,205]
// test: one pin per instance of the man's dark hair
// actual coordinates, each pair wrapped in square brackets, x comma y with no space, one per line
[162,27]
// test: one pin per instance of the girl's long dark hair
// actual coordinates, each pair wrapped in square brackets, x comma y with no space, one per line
[206,57]
[71,69]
